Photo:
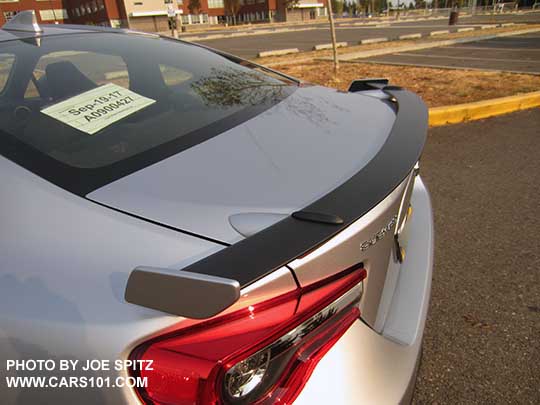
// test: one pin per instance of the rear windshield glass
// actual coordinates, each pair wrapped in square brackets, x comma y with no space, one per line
[85,109]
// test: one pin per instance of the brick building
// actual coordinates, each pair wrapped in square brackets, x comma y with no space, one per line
[151,15]
[110,13]
[46,11]
[95,12]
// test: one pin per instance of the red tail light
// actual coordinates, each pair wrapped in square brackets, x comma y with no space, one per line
[263,354]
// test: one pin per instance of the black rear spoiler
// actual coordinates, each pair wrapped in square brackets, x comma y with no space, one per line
[218,278]
[367,84]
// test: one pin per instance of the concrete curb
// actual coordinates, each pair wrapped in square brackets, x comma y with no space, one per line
[441,32]
[277,52]
[482,109]
[373,40]
[321,47]
[410,36]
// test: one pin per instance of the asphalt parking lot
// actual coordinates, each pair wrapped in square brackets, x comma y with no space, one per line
[249,46]
[482,342]
[306,36]
[520,54]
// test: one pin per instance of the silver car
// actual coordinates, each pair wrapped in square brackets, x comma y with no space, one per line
[181,226]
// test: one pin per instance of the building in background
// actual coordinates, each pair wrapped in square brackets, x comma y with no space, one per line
[47,11]
[151,15]
[252,11]
[108,13]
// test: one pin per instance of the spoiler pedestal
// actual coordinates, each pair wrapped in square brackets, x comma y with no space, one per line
[182,293]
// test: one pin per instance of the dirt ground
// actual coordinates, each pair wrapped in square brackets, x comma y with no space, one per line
[438,87]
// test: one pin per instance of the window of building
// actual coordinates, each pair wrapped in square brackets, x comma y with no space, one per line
[185,19]
[53,15]
[215,4]
[8,15]
[138,3]
[195,19]
[205,18]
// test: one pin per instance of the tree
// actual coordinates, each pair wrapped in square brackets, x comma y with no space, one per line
[194,6]
[332,35]
[360,7]
[337,5]
[231,8]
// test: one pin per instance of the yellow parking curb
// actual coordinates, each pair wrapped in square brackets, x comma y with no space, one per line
[482,109]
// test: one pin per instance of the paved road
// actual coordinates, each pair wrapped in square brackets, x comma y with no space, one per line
[512,54]
[529,18]
[249,46]
[318,24]
[482,343]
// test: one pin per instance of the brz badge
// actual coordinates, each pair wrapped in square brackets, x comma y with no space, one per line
[379,235]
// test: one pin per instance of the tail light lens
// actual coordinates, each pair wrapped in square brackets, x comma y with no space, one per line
[262,354]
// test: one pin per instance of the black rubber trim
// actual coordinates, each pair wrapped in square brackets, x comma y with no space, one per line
[266,251]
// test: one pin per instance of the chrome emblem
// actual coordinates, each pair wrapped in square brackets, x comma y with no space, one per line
[379,235]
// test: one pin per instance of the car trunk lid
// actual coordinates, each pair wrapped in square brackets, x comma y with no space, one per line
[265,168]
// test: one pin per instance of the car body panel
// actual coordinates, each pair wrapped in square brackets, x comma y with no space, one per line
[344,251]
[278,162]
[364,367]
[64,265]
[65,260]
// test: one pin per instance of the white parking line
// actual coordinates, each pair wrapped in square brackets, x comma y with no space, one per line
[424,55]
[429,65]
[485,48]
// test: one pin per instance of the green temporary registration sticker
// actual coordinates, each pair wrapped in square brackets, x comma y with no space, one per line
[98,108]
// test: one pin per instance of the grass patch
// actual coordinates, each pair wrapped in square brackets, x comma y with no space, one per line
[438,87]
